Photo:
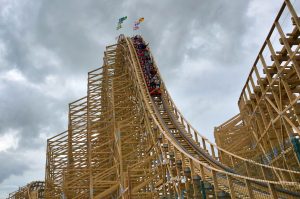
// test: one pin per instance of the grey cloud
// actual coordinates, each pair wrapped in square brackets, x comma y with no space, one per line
[11,164]
[65,39]
[29,111]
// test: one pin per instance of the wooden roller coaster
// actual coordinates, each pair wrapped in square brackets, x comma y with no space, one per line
[267,126]
[33,190]
[127,139]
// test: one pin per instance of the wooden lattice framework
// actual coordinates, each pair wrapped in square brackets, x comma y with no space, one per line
[270,100]
[123,142]
[235,136]
[33,190]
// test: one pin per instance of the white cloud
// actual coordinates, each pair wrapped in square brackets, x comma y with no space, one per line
[262,15]
[42,57]
[14,75]
[9,140]
[67,86]
[191,68]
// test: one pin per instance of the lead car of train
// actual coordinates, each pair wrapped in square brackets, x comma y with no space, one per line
[146,61]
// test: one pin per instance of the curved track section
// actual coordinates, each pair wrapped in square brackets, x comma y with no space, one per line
[177,132]
[267,127]
[124,140]
[33,190]
[127,139]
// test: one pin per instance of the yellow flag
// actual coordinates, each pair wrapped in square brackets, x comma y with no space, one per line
[141,19]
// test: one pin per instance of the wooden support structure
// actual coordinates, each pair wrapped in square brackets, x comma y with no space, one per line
[123,141]
[33,190]
[269,104]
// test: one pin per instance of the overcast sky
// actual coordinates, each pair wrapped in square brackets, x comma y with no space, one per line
[204,50]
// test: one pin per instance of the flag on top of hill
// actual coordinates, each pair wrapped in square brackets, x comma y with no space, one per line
[121,20]
[137,23]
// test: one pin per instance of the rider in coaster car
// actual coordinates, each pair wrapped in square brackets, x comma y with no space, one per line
[142,46]
[157,83]
[152,83]
[147,67]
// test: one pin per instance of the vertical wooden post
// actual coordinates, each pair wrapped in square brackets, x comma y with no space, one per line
[249,188]
[231,187]
[212,150]
[272,191]
[215,181]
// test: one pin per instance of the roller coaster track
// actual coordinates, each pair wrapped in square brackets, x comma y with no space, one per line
[267,126]
[33,190]
[166,158]
[125,142]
